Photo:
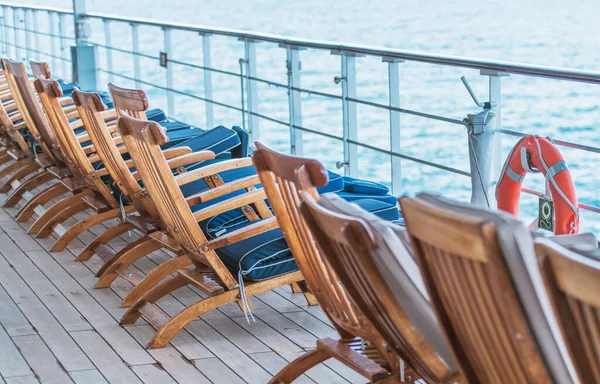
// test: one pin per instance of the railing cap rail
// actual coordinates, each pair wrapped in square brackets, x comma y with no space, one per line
[559,73]
[37,8]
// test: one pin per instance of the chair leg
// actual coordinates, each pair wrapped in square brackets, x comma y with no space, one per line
[300,365]
[29,185]
[125,257]
[17,178]
[55,224]
[154,277]
[170,328]
[27,210]
[152,296]
[104,238]
[83,225]
[10,168]
[302,287]
[55,209]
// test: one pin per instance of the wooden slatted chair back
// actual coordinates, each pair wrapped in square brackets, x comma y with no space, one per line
[347,243]
[40,69]
[49,92]
[282,176]
[132,102]
[10,129]
[143,139]
[473,294]
[30,108]
[89,105]
[572,281]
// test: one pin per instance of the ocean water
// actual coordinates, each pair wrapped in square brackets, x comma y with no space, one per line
[548,32]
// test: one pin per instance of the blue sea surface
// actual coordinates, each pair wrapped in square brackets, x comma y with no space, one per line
[548,32]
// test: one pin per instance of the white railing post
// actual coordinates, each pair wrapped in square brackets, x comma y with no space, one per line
[251,90]
[4,31]
[62,32]
[26,25]
[349,121]
[135,47]
[83,54]
[36,35]
[108,50]
[52,31]
[169,77]
[208,91]
[294,100]
[495,96]
[16,23]
[394,102]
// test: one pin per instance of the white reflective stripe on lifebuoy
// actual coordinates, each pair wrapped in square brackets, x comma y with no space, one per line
[514,175]
[556,168]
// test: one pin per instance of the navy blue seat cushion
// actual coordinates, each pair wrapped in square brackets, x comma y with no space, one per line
[242,150]
[156,115]
[351,196]
[220,140]
[364,186]
[336,183]
[267,255]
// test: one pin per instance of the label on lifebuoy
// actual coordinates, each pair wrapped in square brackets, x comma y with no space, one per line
[546,215]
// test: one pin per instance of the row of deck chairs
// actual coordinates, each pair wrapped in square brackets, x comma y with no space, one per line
[458,295]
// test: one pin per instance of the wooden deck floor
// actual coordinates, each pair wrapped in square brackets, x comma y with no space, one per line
[55,327]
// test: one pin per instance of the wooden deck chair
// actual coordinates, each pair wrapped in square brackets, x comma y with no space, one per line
[209,274]
[360,345]
[20,159]
[146,221]
[482,277]
[572,280]
[96,196]
[41,70]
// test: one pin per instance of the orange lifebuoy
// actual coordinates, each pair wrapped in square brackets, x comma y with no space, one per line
[536,154]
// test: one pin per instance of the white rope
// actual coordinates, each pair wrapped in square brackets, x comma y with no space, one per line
[245,301]
[560,192]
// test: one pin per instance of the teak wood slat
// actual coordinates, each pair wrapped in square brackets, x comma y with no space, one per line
[572,280]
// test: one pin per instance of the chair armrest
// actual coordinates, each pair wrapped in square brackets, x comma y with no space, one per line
[203,172]
[250,197]
[174,152]
[66,100]
[190,158]
[95,157]
[244,233]
[222,190]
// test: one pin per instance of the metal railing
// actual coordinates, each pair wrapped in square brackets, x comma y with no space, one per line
[41,32]
[291,52]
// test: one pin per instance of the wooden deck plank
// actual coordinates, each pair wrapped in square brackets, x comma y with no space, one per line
[129,349]
[112,367]
[225,350]
[43,363]
[92,376]
[12,362]
[52,298]
[183,370]
[153,374]
[55,336]
[218,372]
[11,317]
[30,379]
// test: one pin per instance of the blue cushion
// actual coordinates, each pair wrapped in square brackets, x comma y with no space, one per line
[336,183]
[242,150]
[267,255]
[156,115]
[220,140]
[175,125]
[350,196]
[364,186]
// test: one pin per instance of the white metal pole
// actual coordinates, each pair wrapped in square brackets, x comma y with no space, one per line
[251,91]
[349,114]
[208,91]
[295,100]
[394,99]
[169,80]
